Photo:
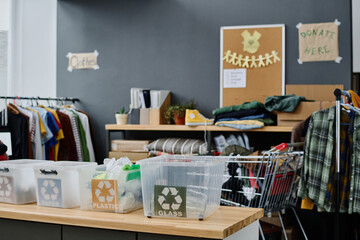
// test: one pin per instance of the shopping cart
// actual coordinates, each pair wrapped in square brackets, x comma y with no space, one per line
[267,181]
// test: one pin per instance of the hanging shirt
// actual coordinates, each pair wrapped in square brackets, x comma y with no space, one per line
[18,125]
[42,126]
[36,139]
[50,139]
[85,122]
[67,149]
[82,134]
[75,129]
[319,156]
[60,133]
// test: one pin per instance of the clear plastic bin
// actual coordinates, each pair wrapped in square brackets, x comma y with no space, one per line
[17,181]
[119,192]
[57,185]
[181,186]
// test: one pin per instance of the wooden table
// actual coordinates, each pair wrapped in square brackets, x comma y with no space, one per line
[66,224]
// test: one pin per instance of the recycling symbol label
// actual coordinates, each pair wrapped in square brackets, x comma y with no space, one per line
[104,194]
[169,201]
[49,192]
[6,189]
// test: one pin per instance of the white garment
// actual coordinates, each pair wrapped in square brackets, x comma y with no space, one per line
[37,147]
[85,122]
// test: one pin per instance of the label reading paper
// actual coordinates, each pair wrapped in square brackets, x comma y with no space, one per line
[235,78]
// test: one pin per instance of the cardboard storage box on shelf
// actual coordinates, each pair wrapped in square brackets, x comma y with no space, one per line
[132,155]
[322,94]
[155,115]
[129,145]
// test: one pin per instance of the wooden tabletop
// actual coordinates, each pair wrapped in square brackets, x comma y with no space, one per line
[224,222]
[172,127]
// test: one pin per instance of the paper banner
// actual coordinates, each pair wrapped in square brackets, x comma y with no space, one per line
[318,42]
[83,60]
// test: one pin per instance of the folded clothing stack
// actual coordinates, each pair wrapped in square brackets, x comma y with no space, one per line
[181,146]
[248,115]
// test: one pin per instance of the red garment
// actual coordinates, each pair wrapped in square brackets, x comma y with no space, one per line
[67,149]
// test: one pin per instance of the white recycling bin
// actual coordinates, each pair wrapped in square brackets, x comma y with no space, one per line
[17,182]
[57,185]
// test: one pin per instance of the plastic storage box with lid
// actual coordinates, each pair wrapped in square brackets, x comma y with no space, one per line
[116,191]
[181,186]
[17,181]
[57,185]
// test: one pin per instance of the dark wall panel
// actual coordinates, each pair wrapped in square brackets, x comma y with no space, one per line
[174,45]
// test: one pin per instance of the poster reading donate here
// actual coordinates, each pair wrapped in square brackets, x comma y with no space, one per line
[318,42]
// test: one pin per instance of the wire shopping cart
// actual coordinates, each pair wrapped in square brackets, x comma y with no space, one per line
[268,181]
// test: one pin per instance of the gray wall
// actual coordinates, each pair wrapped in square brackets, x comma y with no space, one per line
[174,45]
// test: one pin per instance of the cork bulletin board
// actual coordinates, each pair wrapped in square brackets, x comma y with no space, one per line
[252,63]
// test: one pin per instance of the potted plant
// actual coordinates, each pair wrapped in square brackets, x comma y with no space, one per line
[176,113]
[121,117]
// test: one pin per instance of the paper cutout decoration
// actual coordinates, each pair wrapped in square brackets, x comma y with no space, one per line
[318,42]
[251,61]
[83,60]
[251,43]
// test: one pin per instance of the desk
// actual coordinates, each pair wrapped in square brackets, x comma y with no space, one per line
[66,224]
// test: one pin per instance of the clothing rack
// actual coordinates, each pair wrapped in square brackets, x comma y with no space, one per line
[42,98]
[337,94]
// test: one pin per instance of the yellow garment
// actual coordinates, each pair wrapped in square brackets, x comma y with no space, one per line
[243,122]
[307,204]
[355,99]
[42,127]
[59,135]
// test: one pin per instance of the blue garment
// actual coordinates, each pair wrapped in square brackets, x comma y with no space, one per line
[240,126]
[51,129]
[43,115]
[251,117]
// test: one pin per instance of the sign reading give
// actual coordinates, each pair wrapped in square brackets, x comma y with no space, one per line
[318,42]
[83,60]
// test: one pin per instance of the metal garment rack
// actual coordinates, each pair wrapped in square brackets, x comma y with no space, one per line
[42,98]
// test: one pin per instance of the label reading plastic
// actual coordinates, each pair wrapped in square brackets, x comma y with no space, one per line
[104,194]
[169,201]
[49,192]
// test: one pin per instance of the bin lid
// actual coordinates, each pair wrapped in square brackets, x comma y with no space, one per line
[65,165]
[23,163]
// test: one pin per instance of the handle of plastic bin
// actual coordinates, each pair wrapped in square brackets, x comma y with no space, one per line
[281,146]
[4,169]
[52,172]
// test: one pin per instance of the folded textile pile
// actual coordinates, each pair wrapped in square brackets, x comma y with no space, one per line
[178,146]
[248,115]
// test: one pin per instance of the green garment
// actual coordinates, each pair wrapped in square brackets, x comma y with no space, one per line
[286,103]
[266,121]
[244,106]
[82,134]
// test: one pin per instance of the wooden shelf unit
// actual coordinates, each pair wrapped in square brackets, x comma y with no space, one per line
[167,127]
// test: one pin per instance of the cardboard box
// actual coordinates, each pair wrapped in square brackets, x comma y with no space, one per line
[133,155]
[303,111]
[129,145]
[155,116]
[316,92]
[144,116]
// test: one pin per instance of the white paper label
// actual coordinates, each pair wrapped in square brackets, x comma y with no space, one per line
[235,78]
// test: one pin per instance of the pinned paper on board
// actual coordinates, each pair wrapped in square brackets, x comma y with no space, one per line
[83,61]
[319,42]
[235,78]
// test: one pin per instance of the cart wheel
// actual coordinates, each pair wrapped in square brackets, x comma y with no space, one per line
[201,219]
[148,216]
